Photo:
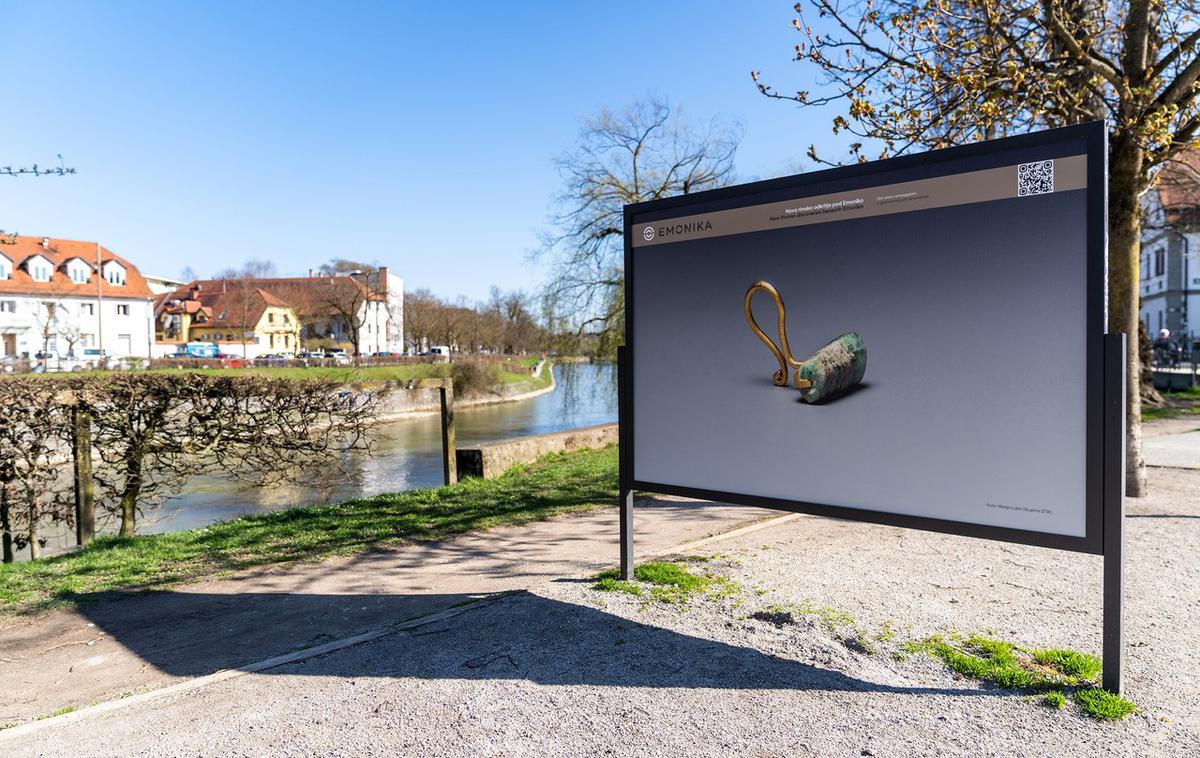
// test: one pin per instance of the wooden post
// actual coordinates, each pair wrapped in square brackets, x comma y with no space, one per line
[449,465]
[6,538]
[85,490]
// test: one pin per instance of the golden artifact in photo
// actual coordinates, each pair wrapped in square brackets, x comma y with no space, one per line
[835,368]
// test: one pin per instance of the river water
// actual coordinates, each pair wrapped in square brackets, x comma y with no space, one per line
[405,455]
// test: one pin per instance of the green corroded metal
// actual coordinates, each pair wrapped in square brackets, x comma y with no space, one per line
[833,369]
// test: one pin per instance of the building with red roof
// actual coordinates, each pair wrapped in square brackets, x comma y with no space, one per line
[71,297]
[326,311]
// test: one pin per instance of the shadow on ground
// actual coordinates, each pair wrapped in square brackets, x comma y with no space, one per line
[523,636]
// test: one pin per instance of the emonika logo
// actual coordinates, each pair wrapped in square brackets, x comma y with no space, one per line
[674,230]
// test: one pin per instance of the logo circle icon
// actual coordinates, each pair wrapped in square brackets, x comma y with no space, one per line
[648,233]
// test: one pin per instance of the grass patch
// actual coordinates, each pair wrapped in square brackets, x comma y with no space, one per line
[1104,705]
[1055,699]
[1185,403]
[1008,666]
[59,712]
[513,371]
[611,581]
[666,582]
[554,484]
[1046,671]
[1071,663]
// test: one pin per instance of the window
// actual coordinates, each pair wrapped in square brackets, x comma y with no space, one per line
[4,272]
[122,310]
[1159,262]
[89,340]
[8,306]
[87,309]
[79,274]
[270,318]
[40,271]
[114,274]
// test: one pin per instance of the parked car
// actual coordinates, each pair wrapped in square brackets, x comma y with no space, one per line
[386,354]
[339,356]
[52,361]
[94,357]
[198,350]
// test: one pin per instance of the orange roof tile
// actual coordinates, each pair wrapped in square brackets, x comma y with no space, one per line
[58,252]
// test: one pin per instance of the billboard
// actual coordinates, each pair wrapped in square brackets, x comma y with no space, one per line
[916,341]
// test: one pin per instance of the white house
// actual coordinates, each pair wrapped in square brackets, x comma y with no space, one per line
[63,296]
[1170,264]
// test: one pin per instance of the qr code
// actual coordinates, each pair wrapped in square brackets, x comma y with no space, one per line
[1035,178]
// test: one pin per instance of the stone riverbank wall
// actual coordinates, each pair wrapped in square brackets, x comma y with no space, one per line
[493,459]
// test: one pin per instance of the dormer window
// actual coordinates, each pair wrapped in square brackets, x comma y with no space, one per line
[39,268]
[79,271]
[5,268]
[115,273]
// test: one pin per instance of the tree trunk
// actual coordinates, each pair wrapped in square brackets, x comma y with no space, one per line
[1125,180]
[129,498]
[6,524]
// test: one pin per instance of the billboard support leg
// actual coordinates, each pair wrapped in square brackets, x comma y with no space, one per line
[624,491]
[1114,509]
[626,534]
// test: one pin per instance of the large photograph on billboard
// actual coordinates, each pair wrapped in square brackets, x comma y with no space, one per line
[914,337]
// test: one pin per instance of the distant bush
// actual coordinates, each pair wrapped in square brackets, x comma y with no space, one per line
[471,378]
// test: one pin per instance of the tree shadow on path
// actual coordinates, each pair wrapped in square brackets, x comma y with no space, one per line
[528,637]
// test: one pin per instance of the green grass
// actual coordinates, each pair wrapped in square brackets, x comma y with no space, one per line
[1047,671]
[668,583]
[1156,413]
[514,371]
[59,712]
[1185,403]
[1104,705]
[554,484]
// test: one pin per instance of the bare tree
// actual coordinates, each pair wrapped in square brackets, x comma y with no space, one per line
[646,152]
[152,432]
[420,316]
[242,284]
[33,427]
[905,74]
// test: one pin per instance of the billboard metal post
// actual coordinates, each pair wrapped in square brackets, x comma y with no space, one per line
[1114,509]
[625,492]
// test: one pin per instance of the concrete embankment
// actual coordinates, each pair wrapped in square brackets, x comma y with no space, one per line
[400,400]
[491,460]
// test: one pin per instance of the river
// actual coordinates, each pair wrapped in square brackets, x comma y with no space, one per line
[404,455]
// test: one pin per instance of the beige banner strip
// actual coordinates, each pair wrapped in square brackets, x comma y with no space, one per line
[1024,180]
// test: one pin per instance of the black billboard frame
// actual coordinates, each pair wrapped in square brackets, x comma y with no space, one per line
[1104,436]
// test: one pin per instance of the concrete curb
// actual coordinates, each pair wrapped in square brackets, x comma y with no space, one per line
[30,727]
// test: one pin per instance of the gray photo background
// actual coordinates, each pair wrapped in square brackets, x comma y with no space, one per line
[973,404]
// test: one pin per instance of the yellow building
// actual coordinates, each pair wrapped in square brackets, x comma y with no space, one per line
[232,314]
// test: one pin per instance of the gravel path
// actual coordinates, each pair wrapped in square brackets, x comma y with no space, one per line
[565,670]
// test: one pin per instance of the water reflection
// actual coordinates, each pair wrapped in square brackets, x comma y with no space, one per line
[405,455]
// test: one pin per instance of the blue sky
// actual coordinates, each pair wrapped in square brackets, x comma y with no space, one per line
[418,135]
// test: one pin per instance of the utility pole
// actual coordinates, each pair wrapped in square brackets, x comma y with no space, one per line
[100,308]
